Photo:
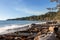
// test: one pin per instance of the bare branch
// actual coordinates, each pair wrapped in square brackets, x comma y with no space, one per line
[54,0]
[58,5]
[48,8]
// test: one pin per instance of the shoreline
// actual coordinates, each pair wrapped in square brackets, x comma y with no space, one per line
[15,28]
[30,33]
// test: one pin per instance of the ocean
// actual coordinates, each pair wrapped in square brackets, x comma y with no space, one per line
[5,25]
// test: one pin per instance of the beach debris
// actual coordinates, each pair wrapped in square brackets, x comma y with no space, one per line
[35,32]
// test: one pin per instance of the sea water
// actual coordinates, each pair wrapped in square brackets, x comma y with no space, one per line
[5,25]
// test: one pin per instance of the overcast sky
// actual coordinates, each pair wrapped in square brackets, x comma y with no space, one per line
[22,8]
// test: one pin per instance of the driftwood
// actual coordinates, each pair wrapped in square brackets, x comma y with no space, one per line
[35,32]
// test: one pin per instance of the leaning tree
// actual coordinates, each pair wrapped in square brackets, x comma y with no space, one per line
[57,5]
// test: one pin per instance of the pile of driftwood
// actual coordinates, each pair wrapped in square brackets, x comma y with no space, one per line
[33,33]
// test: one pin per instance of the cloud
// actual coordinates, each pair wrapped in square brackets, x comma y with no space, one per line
[20,6]
[30,11]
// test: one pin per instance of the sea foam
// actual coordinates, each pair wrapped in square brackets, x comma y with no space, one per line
[13,28]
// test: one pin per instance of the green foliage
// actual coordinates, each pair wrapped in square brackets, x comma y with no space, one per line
[47,16]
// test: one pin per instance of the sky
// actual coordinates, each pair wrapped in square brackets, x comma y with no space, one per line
[21,8]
